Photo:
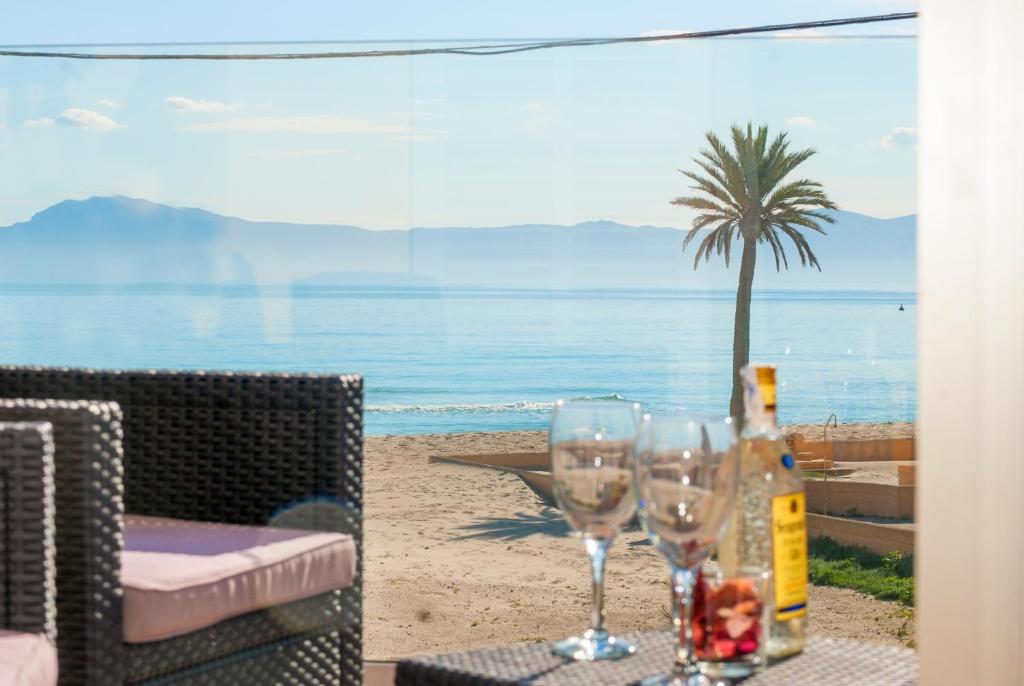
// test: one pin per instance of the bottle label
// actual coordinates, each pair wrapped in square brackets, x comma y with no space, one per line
[766,385]
[789,556]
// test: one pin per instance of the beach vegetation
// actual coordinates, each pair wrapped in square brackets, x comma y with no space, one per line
[886,577]
[745,193]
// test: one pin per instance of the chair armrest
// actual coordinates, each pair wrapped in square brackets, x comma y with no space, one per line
[89,533]
[27,566]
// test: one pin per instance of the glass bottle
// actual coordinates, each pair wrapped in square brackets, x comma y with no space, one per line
[768,530]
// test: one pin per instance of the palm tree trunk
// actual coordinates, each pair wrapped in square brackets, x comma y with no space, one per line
[741,327]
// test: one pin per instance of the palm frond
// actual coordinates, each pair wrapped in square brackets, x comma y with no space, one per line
[820,216]
[777,249]
[713,188]
[803,248]
[771,159]
[696,202]
[720,157]
[804,193]
[797,219]
[728,241]
[699,223]
[690,235]
[786,164]
[736,194]
[704,220]
[704,249]
[729,170]
[746,145]
[760,141]
[723,235]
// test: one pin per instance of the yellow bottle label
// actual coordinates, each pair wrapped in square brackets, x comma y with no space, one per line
[789,556]
[766,385]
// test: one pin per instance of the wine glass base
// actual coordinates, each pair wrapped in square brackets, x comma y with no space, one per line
[684,680]
[593,646]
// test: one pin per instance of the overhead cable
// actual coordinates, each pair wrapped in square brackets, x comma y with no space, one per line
[474,50]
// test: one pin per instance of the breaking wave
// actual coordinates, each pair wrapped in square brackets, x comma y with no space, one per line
[522,406]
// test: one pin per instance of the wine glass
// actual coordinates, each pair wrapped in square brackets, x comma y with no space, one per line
[591,444]
[686,478]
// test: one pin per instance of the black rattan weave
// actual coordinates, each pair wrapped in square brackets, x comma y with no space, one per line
[307,660]
[28,582]
[824,662]
[149,660]
[88,487]
[244,448]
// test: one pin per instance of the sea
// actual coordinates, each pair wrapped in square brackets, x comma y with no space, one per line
[441,360]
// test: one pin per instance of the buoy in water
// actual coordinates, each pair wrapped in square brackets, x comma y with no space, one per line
[901,307]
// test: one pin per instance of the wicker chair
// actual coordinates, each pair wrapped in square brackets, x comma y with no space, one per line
[27,570]
[236,448]
[87,467]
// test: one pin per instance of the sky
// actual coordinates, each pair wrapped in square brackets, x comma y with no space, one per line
[558,136]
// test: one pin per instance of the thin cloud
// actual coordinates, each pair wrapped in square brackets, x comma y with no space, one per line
[801,120]
[900,138]
[302,153]
[113,104]
[78,118]
[39,123]
[808,35]
[182,104]
[299,124]
[424,137]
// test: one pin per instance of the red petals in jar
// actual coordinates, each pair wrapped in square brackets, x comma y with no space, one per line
[726,622]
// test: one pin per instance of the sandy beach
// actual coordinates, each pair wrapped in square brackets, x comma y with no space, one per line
[459,557]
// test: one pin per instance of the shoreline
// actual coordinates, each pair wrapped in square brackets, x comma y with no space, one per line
[853,431]
[459,557]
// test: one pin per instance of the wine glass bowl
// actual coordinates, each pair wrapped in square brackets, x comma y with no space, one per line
[593,482]
[686,473]
[684,486]
[591,446]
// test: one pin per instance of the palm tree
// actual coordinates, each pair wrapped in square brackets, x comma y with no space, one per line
[744,195]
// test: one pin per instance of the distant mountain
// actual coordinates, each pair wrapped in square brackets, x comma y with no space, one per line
[119,240]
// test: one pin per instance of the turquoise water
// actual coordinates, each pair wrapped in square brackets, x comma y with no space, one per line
[466,360]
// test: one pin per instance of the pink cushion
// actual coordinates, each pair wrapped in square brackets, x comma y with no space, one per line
[27,660]
[181,576]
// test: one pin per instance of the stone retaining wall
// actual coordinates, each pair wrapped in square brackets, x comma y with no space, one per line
[879,538]
[860,498]
[893,449]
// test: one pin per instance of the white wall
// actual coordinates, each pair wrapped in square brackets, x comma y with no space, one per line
[971,347]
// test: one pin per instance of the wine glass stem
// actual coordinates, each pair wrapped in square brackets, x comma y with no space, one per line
[682,614]
[596,551]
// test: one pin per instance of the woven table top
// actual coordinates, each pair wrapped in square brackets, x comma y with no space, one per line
[824,661]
